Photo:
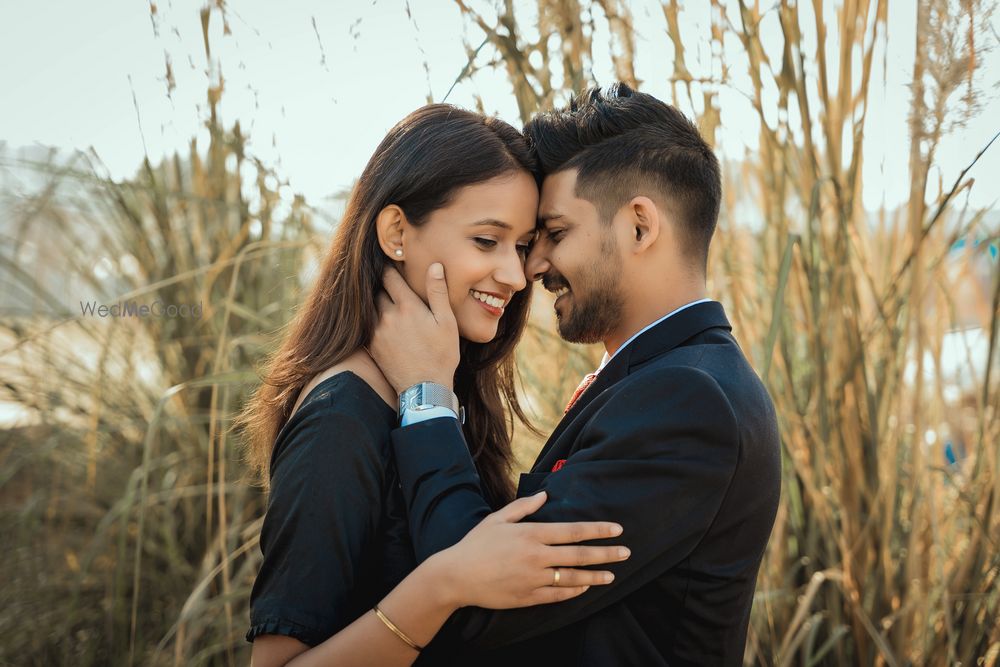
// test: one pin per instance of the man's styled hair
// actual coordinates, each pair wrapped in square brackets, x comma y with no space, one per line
[625,144]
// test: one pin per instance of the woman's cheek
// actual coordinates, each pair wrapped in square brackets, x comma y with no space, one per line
[456,298]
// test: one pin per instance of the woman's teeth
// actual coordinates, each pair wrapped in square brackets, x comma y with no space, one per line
[488,299]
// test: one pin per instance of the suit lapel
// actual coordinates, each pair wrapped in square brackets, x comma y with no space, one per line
[662,338]
[616,370]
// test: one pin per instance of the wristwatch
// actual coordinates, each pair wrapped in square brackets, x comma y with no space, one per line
[427,395]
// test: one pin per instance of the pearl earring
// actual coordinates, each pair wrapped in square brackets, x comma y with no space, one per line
[399,253]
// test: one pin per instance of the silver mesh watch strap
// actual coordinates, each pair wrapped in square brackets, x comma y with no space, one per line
[428,395]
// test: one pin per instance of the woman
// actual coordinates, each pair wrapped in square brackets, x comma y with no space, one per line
[449,186]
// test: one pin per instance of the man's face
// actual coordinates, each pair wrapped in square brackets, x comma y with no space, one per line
[576,257]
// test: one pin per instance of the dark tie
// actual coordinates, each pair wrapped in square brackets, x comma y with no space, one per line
[588,379]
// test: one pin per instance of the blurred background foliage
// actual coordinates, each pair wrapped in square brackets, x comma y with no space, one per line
[131,521]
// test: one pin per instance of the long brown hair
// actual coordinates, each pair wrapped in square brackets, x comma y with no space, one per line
[419,166]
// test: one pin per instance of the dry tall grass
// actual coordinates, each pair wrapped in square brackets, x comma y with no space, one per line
[133,534]
[130,518]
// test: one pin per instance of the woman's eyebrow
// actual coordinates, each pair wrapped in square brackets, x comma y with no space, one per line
[491,222]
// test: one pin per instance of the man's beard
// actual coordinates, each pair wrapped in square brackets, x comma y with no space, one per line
[597,305]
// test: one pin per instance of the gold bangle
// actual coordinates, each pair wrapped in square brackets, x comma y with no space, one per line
[399,633]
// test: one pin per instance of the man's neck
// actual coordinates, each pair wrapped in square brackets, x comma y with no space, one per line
[634,323]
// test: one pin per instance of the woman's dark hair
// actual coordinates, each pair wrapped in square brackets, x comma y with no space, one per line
[420,166]
[626,143]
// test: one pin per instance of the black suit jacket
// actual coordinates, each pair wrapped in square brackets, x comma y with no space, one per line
[677,441]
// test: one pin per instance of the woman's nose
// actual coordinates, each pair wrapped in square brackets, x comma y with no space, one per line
[511,271]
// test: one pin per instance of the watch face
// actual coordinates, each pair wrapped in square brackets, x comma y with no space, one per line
[405,399]
[411,399]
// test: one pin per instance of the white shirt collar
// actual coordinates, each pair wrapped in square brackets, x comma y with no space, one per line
[604,362]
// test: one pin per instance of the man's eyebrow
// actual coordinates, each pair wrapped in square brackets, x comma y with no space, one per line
[491,222]
[547,217]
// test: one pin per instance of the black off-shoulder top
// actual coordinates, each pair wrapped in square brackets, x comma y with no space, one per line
[335,537]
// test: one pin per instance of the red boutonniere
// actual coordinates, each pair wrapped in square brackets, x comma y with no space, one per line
[559,464]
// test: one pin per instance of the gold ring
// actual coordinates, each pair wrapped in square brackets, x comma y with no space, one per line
[555,576]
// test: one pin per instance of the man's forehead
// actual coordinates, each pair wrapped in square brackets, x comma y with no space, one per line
[558,195]
[560,183]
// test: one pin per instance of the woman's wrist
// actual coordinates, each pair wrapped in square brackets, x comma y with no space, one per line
[443,585]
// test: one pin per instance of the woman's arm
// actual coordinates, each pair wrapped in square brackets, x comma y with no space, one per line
[500,564]
[419,606]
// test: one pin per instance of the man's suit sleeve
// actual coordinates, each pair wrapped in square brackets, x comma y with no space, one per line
[657,456]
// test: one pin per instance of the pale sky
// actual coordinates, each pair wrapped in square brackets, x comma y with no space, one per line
[318,100]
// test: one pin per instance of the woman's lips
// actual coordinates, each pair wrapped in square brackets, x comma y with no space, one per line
[495,312]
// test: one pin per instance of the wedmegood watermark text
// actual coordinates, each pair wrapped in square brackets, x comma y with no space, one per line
[135,309]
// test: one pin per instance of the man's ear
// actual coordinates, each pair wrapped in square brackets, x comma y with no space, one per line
[645,222]
[389,225]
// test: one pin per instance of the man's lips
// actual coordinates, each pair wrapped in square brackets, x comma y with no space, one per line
[560,298]
[555,285]
[559,288]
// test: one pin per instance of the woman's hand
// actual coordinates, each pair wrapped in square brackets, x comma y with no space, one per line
[501,564]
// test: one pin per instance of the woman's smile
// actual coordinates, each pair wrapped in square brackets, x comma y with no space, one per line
[491,303]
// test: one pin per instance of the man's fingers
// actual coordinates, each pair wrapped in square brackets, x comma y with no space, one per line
[516,510]
[437,293]
[577,531]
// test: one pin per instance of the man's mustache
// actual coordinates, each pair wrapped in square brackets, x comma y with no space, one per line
[553,282]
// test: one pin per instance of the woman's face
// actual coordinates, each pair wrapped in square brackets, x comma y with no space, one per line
[482,238]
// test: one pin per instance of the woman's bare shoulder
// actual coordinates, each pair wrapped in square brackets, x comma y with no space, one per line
[361,365]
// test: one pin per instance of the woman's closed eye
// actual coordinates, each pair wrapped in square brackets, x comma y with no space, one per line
[486,243]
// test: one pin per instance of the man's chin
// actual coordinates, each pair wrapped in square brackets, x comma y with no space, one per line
[576,334]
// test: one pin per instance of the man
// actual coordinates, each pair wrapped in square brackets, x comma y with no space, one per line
[674,437]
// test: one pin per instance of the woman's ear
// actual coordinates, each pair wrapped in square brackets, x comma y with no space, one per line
[389,225]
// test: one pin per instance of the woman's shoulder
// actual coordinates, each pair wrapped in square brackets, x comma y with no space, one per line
[336,382]
[339,416]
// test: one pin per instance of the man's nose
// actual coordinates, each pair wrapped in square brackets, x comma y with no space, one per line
[537,263]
